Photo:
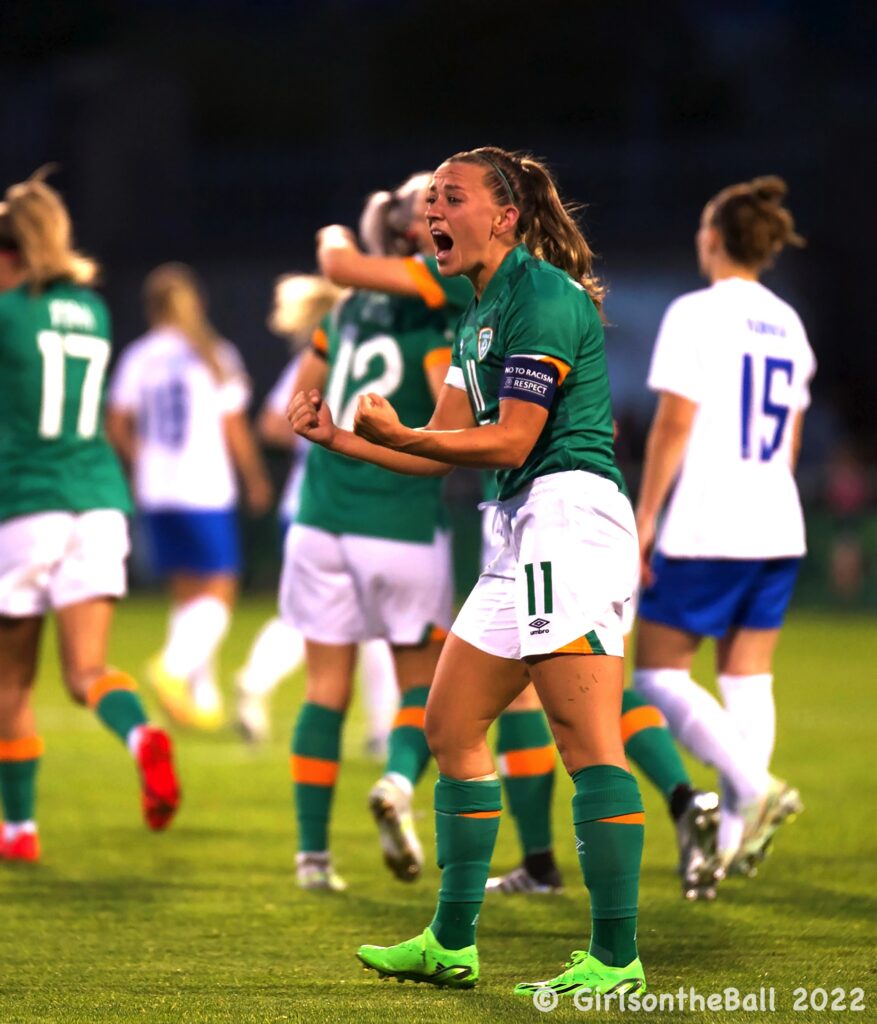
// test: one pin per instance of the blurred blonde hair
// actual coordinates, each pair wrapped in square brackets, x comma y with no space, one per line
[174,297]
[385,221]
[300,303]
[34,222]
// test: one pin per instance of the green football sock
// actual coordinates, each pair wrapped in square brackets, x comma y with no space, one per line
[525,752]
[408,751]
[114,699]
[609,828]
[316,751]
[19,761]
[466,824]
[649,744]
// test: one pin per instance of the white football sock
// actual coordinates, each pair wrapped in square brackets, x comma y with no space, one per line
[277,651]
[380,693]
[195,632]
[13,829]
[204,687]
[749,700]
[701,724]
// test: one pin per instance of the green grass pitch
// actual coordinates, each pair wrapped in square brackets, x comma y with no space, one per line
[204,922]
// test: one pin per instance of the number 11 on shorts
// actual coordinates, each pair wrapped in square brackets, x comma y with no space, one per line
[547,598]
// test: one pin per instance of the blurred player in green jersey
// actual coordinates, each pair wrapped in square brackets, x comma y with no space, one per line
[63,501]
[368,557]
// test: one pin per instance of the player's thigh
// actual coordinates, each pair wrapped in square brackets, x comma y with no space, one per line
[186,586]
[581,695]
[528,698]
[746,652]
[83,639]
[660,646]
[19,650]
[329,674]
[471,689]
[319,594]
[416,665]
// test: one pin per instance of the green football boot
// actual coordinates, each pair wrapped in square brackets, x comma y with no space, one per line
[423,959]
[584,971]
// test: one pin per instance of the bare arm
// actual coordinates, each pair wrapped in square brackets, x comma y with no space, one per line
[121,428]
[345,264]
[248,462]
[797,433]
[665,448]
[311,418]
[502,445]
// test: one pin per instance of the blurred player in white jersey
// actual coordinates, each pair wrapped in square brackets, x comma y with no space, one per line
[177,415]
[300,302]
[732,366]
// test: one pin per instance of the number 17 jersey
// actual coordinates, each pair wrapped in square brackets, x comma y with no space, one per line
[740,353]
[54,455]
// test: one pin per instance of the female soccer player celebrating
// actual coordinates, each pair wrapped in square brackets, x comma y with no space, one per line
[732,365]
[527,395]
[63,499]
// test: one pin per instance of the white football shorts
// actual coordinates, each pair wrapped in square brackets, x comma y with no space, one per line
[344,589]
[565,575]
[52,559]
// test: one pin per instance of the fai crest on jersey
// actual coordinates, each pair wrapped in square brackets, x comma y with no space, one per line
[485,337]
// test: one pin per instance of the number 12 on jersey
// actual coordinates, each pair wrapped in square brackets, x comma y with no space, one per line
[771,409]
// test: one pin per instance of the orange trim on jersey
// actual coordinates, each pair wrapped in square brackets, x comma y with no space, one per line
[438,357]
[437,633]
[314,771]
[106,684]
[581,645]
[637,719]
[626,819]
[480,814]
[320,341]
[428,288]
[415,717]
[26,749]
[521,763]
[561,367]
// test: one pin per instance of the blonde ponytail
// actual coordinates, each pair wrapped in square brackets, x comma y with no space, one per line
[173,297]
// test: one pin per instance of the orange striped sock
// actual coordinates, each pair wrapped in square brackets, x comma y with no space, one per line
[114,699]
[314,764]
[19,761]
[526,755]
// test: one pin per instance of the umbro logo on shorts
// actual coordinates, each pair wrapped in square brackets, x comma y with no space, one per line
[538,626]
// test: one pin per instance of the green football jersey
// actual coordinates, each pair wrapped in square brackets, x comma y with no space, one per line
[383,344]
[532,312]
[54,456]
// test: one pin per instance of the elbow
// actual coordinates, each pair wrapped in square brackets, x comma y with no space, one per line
[513,455]
[333,265]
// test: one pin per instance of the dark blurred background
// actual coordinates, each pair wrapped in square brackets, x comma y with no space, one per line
[225,133]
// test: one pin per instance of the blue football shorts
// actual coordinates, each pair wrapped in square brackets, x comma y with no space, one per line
[198,541]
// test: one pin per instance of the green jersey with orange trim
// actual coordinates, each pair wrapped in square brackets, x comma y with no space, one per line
[54,455]
[535,335]
[383,344]
[452,294]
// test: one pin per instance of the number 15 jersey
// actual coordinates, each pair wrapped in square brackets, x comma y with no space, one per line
[54,455]
[741,355]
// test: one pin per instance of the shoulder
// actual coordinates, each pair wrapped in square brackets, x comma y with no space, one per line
[542,288]
[691,304]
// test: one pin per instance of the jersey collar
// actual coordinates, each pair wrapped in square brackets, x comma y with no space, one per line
[513,259]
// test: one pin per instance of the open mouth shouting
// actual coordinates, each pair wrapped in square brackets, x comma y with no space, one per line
[443,244]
